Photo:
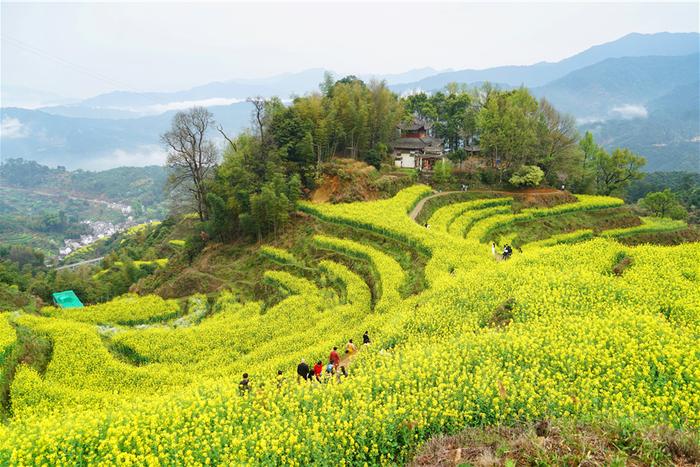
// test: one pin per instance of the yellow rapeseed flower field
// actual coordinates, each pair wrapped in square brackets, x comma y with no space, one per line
[553,332]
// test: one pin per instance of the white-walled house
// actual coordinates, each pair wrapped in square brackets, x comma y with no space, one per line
[415,148]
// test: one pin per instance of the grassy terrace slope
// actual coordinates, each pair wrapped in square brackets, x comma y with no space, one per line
[579,328]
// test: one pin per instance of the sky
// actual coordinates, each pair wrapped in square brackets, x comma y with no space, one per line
[80,50]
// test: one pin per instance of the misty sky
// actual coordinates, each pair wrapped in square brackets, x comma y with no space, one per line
[79,50]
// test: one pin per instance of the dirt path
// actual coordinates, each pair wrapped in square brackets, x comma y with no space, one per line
[419,207]
[81,263]
[531,192]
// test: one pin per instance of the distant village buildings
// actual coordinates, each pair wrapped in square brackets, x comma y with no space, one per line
[99,230]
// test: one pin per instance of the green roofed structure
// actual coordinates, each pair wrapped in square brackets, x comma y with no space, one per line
[67,299]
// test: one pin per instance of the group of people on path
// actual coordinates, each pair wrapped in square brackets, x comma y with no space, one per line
[334,367]
[323,373]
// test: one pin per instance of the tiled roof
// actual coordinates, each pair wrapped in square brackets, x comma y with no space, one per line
[417,143]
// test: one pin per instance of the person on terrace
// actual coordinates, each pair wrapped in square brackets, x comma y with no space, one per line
[507,252]
[343,373]
[244,385]
[318,370]
[302,371]
[330,369]
[334,358]
[280,378]
[350,348]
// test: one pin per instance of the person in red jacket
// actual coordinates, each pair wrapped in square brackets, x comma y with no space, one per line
[334,357]
[318,370]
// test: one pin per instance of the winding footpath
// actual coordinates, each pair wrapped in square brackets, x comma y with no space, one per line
[81,263]
[419,207]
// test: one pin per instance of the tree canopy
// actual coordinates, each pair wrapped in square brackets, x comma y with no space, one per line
[266,169]
[664,204]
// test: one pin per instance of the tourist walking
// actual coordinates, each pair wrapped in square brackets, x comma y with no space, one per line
[244,385]
[350,348]
[342,373]
[330,369]
[318,370]
[365,338]
[507,252]
[302,371]
[334,358]
[280,378]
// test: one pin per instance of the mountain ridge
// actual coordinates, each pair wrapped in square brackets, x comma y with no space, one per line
[542,72]
[285,84]
[591,91]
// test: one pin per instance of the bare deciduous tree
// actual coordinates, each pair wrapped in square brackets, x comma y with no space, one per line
[191,156]
[558,136]
[259,116]
[231,142]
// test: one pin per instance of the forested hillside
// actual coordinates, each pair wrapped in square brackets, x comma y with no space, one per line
[41,207]
[667,135]
[131,185]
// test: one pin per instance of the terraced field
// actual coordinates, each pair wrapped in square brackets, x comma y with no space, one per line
[576,326]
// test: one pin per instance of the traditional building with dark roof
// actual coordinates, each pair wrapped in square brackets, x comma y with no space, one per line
[415,148]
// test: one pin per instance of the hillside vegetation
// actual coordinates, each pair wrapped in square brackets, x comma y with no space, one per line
[577,327]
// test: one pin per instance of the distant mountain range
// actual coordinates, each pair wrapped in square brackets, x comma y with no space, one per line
[22,96]
[218,93]
[668,136]
[640,91]
[595,91]
[97,143]
[631,45]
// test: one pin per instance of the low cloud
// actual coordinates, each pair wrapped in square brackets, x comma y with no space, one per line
[629,111]
[620,112]
[12,128]
[589,120]
[155,109]
[138,157]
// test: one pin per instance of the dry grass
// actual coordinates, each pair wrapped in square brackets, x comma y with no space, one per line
[501,316]
[619,267]
[542,198]
[546,443]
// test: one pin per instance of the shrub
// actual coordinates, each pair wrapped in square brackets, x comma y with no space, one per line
[488,176]
[527,175]
[194,244]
